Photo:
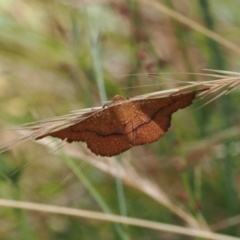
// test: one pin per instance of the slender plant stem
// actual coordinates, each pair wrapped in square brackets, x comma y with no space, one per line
[94,40]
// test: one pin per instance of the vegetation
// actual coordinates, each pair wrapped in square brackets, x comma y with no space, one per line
[59,56]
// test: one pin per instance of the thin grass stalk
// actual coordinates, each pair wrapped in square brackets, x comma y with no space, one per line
[120,189]
[94,41]
[192,24]
[217,58]
[226,223]
[198,194]
[229,189]
[115,218]
[186,182]
[97,66]
[228,182]
[94,193]
[25,228]
[77,78]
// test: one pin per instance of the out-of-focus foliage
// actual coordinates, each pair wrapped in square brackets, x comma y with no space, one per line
[52,56]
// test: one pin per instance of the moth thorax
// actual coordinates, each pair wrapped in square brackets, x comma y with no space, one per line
[125,112]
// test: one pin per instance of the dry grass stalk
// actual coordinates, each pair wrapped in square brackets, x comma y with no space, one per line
[114,218]
[190,23]
[223,85]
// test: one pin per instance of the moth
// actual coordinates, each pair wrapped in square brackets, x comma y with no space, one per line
[119,125]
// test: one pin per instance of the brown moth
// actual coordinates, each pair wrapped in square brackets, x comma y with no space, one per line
[123,123]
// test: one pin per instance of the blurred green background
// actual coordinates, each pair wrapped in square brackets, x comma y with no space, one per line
[58,56]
